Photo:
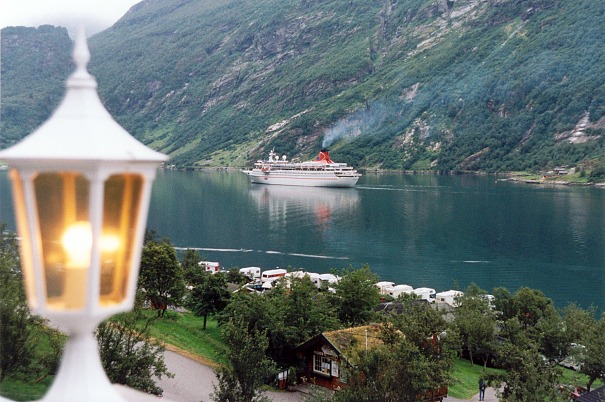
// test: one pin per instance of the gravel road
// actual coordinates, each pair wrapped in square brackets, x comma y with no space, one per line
[193,381]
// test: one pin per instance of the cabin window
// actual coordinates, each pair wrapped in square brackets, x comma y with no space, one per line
[322,364]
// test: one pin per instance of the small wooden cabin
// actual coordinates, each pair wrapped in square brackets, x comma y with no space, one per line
[326,354]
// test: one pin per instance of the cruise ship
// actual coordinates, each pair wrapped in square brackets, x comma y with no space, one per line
[321,172]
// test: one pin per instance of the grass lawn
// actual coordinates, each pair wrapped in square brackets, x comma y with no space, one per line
[184,331]
[24,391]
[465,376]
[465,381]
[575,378]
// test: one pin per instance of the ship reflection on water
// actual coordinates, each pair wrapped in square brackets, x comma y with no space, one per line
[288,202]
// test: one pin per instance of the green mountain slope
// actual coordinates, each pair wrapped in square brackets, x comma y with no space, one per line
[35,64]
[406,84]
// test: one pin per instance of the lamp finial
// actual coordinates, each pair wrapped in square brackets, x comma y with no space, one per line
[81,56]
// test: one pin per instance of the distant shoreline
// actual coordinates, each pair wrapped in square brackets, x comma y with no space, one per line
[545,182]
[501,176]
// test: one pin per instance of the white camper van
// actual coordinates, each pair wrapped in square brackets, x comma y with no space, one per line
[327,279]
[449,297]
[210,266]
[272,274]
[250,272]
[384,287]
[398,290]
[425,294]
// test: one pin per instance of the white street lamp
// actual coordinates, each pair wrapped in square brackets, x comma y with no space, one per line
[81,187]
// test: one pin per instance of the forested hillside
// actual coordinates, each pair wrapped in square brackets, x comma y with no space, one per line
[391,84]
[35,64]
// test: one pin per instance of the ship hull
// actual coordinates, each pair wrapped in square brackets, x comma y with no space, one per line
[316,179]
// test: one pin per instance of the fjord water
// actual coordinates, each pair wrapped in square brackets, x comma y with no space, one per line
[421,230]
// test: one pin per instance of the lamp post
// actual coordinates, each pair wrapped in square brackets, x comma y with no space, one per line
[81,188]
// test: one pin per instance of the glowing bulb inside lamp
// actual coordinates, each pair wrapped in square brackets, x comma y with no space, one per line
[77,242]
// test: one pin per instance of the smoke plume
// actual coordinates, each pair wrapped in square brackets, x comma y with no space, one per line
[361,122]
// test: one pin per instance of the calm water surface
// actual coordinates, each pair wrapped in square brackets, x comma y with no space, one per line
[421,230]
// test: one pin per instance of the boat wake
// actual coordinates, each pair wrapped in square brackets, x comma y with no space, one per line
[242,250]
[392,188]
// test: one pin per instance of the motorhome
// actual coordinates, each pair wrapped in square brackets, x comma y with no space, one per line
[272,274]
[425,294]
[325,280]
[210,266]
[450,297]
[398,290]
[251,272]
[384,287]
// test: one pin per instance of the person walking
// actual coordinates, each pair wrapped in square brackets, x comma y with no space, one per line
[482,387]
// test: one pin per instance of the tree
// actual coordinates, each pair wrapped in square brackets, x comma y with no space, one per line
[150,235]
[392,373]
[161,276]
[419,323]
[234,276]
[190,263]
[356,296]
[530,305]
[247,367]
[15,318]
[475,324]
[209,294]
[412,360]
[305,311]
[577,321]
[128,354]
[528,376]
[503,304]
[552,335]
[592,351]
[20,331]
[288,316]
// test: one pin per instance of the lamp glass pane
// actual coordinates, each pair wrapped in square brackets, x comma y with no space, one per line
[120,217]
[65,236]
[25,243]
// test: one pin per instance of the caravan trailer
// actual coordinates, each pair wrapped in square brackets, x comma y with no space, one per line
[425,294]
[450,297]
[384,287]
[398,290]
[272,274]
[210,266]
[327,279]
[250,272]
